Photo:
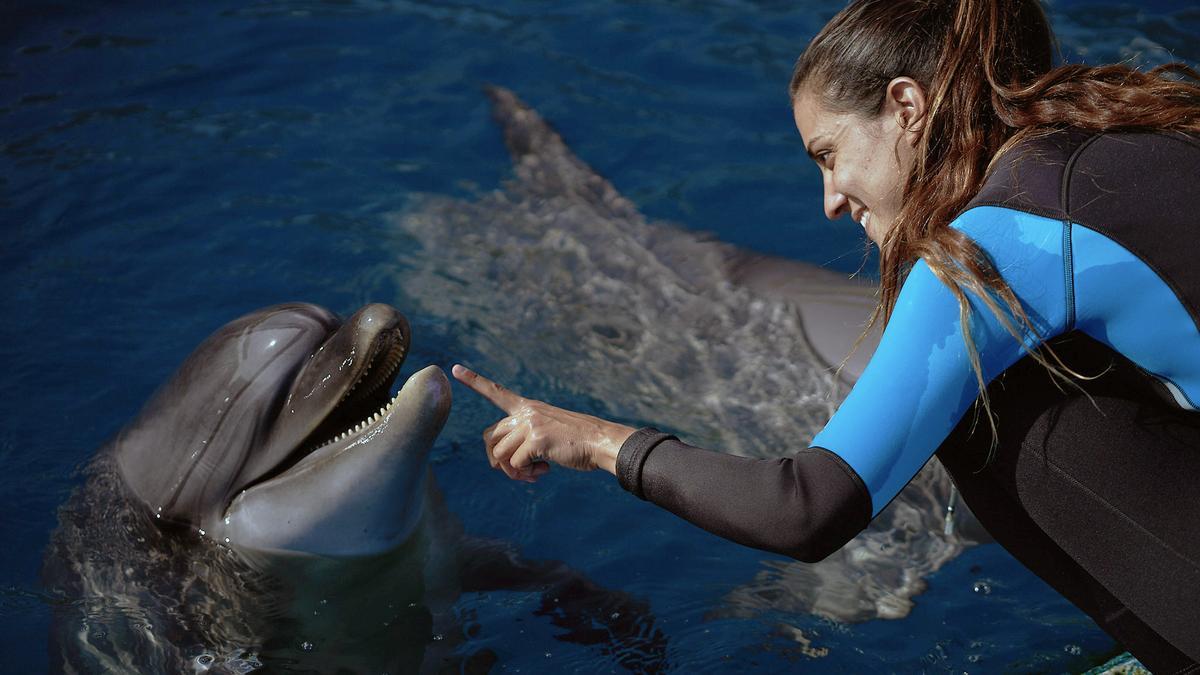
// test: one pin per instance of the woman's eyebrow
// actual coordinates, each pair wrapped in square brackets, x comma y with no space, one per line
[808,147]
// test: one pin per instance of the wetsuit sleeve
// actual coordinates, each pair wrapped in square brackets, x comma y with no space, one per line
[914,391]
[920,380]
[805,506]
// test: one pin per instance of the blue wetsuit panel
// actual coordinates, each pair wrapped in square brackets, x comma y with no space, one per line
[920,382]
[1126,305]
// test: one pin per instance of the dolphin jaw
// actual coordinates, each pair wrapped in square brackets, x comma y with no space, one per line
[357,496]
[414,391]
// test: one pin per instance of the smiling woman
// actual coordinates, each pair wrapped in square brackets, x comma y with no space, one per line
[1000,191]
[875,153]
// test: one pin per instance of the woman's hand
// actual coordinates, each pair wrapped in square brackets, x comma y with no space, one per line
[535,433]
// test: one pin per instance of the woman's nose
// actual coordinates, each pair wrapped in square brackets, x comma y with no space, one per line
[835,202]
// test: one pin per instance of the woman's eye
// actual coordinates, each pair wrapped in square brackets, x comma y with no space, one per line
[824,159]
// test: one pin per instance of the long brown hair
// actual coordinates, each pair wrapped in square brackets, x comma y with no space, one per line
[986,67]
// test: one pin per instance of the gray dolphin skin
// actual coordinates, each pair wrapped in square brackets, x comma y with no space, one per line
[557,276]
[328,465]
[272,505]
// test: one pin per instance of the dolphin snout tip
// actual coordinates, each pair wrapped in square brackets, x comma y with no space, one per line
[432,379]
[381,317]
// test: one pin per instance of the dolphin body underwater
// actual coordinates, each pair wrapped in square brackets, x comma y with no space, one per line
[273,505]
[558,278]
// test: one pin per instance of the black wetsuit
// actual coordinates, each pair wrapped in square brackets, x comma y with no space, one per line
[1096,488]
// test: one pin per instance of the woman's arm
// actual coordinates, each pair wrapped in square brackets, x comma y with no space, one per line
[916,388]
[804,506]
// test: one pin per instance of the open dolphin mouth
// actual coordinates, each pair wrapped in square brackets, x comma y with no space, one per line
[369,392]
[354,457]
[279,432]
[341,392]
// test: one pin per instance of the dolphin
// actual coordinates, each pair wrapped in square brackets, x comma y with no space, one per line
[556,277]
[249,473]
[273,503]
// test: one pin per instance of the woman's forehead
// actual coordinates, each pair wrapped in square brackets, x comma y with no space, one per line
[815,121]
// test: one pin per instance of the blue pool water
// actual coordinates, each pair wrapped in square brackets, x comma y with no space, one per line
[165,167]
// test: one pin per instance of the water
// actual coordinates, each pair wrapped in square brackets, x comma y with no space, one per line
[165,169]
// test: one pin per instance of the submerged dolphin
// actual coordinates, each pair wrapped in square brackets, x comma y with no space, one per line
[562,280]
[272,504]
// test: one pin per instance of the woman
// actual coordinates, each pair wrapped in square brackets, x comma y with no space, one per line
[1036,234]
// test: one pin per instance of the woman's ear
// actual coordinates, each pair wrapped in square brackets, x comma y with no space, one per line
[904,101]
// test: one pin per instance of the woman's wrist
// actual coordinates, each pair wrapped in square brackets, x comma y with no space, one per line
[609,447]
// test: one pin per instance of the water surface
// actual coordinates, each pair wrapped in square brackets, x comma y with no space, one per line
[166,168]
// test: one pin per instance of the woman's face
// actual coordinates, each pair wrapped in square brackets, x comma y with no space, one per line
[863,160]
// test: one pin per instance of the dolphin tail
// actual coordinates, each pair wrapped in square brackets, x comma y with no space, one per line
[545,166]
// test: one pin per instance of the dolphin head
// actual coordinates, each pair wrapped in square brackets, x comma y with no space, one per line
[278,434]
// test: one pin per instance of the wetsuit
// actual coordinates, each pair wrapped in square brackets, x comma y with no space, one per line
[1097,492]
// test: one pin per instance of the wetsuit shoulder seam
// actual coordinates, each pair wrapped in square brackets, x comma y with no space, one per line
[1137,246]
[1044,213]
[1068,249]
[1180,297]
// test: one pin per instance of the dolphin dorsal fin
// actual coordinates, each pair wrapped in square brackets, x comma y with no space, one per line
[543,162]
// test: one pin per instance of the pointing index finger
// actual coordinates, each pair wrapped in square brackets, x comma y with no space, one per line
[500,396]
